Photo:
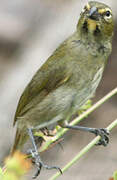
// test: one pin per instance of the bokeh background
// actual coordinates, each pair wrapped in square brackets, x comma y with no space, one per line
[29,32]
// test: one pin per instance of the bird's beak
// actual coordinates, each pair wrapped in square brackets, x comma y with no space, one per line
[92,13]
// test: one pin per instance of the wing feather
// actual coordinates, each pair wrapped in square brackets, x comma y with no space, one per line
[51,75]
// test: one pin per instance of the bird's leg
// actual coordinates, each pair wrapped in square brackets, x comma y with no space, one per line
[97,131]
[35,154]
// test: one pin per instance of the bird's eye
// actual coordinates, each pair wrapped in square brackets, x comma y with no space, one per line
[108,13]
[107,16]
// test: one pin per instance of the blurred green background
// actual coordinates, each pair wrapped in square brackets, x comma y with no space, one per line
[29,32]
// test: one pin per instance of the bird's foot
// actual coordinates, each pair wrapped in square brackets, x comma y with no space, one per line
[104,135]
[39,163]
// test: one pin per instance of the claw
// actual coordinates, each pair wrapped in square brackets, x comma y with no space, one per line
[104,136]
[104,130]
[52,167]
[38,171]
[39,164]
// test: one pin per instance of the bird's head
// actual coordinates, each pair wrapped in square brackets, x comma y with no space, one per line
[96,19]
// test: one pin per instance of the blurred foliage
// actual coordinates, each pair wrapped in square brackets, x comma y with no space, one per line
[15,167]
[114,176]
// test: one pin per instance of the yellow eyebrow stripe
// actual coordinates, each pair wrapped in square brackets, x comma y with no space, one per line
[102,11]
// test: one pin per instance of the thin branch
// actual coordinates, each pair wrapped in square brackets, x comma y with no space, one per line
[62,131]
[84,151]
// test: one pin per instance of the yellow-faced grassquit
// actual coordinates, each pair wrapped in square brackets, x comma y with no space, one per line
[67,79]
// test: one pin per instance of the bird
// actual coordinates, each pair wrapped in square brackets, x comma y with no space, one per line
[67,80]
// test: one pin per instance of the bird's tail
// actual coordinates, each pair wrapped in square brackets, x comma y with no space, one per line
[20,139]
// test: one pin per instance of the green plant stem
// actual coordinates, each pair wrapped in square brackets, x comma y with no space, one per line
[83,151]
[62,131]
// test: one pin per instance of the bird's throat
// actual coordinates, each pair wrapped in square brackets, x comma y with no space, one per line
[91,25]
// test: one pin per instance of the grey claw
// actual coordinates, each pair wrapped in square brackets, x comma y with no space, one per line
[104,136]
[39,164]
